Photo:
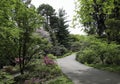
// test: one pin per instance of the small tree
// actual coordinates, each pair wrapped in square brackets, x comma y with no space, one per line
[27,21]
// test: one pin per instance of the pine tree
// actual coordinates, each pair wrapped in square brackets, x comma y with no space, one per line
[62,32]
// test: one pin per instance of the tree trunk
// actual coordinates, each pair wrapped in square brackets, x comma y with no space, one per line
[20,64]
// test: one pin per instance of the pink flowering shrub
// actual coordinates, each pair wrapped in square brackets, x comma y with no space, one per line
[48,61]
[17,60]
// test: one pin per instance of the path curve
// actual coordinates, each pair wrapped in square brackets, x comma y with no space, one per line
[81,74]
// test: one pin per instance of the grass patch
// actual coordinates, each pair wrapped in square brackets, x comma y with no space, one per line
[112,68]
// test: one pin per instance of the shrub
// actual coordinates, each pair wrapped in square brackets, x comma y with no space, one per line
[6,78]
[87,56]
[51,56]
[40,72]
[61,80]
[98,51]
[48,61]
[58,50]
[75,46]
[21,78]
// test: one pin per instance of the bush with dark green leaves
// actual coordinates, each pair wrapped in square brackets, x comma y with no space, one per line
[58,50]
[75,46]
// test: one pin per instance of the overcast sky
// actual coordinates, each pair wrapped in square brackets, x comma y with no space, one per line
[67,5]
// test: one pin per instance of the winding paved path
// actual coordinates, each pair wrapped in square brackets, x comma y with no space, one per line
[81,74]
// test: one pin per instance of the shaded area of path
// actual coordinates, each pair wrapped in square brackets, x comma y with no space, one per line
[81,74]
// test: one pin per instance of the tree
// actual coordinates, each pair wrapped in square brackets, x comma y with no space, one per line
[62,32]
[18,25]
[27,21]
[9,33]
[113,23]
[93,14]
[49,14]
[46,9]
[57,28]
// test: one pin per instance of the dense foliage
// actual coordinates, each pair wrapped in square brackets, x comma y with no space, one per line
[39,74]
[57,26]
[96,51]
[6,78]
[23,47]
[100,17]
[19,39]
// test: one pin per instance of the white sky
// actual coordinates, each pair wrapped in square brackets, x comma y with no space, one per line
[67,5]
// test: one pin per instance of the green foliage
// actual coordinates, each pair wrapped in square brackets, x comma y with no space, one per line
[93,13]
[74,42]
[27,20]
[113,31]
[75,46]
[113,68]
[61,80]
[62,33]
[9,33]
[38,45]
[99,52]
[48,10]
[113,23]
[16,35]
[100,17]
[58,25]
[51,56]
[87,56]
[6,78]
[58,50]
[40,72]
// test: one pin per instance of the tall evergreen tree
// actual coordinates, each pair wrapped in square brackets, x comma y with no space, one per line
[62,32]
[58,24]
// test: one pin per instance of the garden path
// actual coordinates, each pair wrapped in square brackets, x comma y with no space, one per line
[82,74]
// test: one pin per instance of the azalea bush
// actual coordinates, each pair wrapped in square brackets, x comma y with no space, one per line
[40,73]
[48,61]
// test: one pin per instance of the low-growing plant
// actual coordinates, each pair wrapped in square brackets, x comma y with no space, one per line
[75,46]
[40,72]
[58,50]
[51,56]
[61,80]
[6,78]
